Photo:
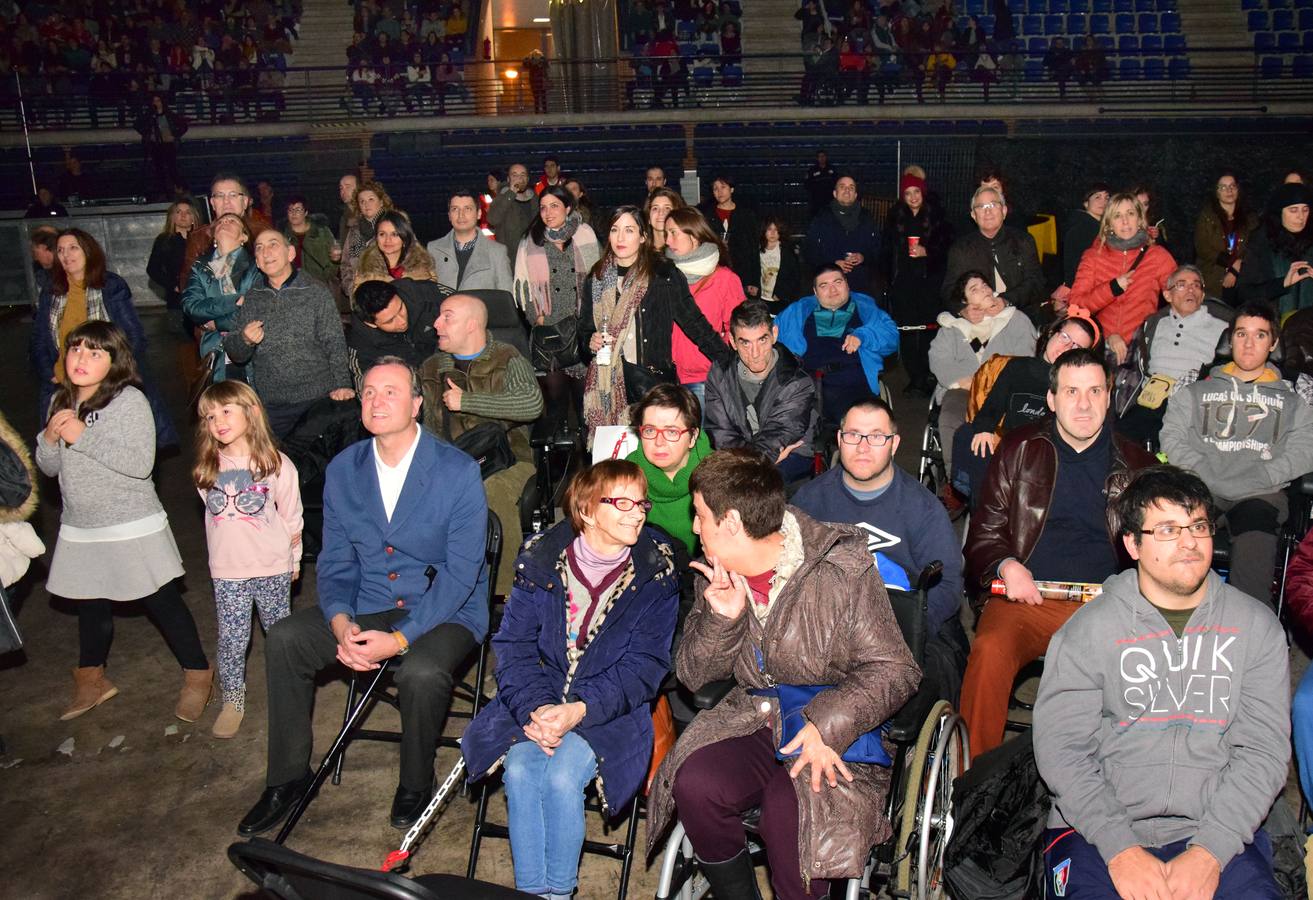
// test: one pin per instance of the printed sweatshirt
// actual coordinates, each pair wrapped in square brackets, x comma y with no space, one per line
[250,525]
[1244,439]
[1145,738]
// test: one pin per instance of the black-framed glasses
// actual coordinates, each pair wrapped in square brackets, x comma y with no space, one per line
[625,504]
[671,433]
[1170,531]
[227,195]
[853,438]
[249,501]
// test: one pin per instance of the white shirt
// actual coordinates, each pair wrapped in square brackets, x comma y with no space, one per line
[391,479]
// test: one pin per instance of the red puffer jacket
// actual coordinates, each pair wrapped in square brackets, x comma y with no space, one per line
[1299,584]
[1118,312]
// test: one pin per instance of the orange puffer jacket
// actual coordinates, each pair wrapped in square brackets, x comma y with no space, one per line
[1094,288]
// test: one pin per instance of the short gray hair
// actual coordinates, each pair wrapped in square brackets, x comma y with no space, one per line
[1181,269]
[416,389]
[982,189]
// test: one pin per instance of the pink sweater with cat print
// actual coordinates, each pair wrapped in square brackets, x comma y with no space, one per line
[252,528]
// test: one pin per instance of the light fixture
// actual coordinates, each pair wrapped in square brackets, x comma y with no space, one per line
[541,20]
[512,74]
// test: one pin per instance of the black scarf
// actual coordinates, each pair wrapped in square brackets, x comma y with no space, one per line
[849,216]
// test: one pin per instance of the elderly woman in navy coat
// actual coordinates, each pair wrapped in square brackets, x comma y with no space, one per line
[581,653]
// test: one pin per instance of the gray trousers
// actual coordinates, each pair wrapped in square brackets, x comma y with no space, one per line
[1253,525]
[298,647]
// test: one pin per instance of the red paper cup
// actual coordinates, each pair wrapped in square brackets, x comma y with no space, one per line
[912,243]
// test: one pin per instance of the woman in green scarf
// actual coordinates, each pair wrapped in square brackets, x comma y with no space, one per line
[671,444]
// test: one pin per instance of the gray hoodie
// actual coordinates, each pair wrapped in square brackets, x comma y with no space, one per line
[1244,439]
[1145,739]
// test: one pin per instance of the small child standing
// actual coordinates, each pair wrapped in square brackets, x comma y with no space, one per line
[252,528]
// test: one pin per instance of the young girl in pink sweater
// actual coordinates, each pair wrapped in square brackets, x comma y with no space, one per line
[252,528]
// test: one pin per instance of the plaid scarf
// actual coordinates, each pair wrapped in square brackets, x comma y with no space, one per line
[95,311]
[613,313]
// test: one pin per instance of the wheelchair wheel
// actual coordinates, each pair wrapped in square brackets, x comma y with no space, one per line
[933,473]
[940,755]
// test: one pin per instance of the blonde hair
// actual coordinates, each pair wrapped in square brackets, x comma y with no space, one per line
[371,187]
[171,217]
[1105,224]
[265,459]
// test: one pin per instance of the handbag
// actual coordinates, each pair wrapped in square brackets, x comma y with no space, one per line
[553,347]
[489,446]
[639,379]
[868,748]
[203,376]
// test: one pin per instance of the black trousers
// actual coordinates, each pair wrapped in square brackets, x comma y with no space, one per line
[298,647]
[166,609]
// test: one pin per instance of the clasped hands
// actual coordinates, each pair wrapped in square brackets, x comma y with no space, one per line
[64,425]
[1139,875]
[362,650]
[549,723]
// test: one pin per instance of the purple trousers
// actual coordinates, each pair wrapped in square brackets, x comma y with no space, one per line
[719,783]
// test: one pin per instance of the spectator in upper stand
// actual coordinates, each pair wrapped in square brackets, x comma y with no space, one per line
[457,24]
[1059,63]
[668,421]
[842,334]
[819,183]
[161,129]
[1279,264]
[844,235]
[166,254]
[813,24]
[661,201]
[368,203]
[655,178]
[346,192]
[699,254]
[552,175]
[474,379]
[762,399]
[317,253]
[467,259]
[906,530]
[1006,254]
[1090,65]
[228,194]
[1042,516]
[1121,276]
[1083,229]
[731,45]
[915,252]
[1155,793]
[384,323]
[781,269]
[1221,236]
[1247,434]
[289,337]
[737,224]
[512,210]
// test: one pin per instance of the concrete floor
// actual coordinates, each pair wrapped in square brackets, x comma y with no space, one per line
[128,802]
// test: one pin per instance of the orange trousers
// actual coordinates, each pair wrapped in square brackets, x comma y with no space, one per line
[1009,636]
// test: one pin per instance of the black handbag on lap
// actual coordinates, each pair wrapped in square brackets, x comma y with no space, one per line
[554,347]
[489,446]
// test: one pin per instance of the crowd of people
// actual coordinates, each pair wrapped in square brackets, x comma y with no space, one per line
[675,49]
[760,514]
[415,60]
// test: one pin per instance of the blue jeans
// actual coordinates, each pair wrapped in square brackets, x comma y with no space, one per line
[545,807]
[1074,869]
[1302,726]
[699,389]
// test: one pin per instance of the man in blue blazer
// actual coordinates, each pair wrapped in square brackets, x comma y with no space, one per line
[401,573]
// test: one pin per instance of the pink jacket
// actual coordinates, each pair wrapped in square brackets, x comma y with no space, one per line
[252,528]
[716,295]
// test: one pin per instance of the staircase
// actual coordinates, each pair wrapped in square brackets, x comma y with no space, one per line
[769,27]
[1216,23]
[325,35]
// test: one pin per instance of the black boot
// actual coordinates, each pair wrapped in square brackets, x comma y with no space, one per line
[732,879]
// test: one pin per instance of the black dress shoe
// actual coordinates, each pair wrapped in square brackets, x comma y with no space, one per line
[408,805]
[273,806]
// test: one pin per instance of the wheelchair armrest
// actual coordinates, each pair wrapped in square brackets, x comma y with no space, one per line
[710,694]
[549,433]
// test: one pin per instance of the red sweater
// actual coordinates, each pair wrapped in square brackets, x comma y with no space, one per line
[1093,288]
[716,295]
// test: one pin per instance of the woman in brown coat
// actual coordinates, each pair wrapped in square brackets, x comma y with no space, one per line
[788,600]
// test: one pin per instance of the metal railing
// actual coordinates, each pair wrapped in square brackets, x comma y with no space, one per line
[764,81]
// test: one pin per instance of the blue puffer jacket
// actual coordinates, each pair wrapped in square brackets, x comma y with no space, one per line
[618,676]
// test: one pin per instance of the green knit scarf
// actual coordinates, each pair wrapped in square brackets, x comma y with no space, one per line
[672,504]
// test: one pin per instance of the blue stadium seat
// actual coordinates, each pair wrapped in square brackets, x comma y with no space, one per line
[987,23]
[1075,24]
[1147,23]
[731,75]
[1166,5]
[686,29]
[1144,6]
[1302,67]
[1174,44]
[1169,23]
[687,49]
[1037,7]
[975,7]
[1306,20]
[1152,43]
[1178,68]
[1270,66]
[1016,7]
[1123,6]
[1264,40]
[1154,69]
[1128,43]
[1278,4]
[1098,24]
[1259,20]
[1037,46]
[1032,24]
[1283,20]
[1059,6]
[1053,25]
[704,77]
[1034,70]
[1105,42]
[1248,5]
[1128,69]
[1124,23]
[1308,42]
[1101,6]
[1079,6]
[962,22]
[1303,4]
[1288,42]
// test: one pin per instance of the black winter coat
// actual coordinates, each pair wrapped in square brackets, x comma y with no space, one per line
[1018,262]
[914,282]
[743,240]
[786,408]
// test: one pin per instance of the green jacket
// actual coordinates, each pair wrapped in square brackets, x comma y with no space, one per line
[316,249]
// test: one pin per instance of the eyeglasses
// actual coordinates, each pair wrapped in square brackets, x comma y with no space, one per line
[296,209]
[854,438]
[671,434]
[1187,286]
[1228,187]
[625,504]
[1170,531]
[230,195]
[1065,338]
[986,207]
[249,501]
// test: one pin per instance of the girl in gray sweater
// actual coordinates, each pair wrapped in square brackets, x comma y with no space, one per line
[114,540]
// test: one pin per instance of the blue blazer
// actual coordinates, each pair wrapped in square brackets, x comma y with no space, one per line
[439,524]
[618,676]
[878,333]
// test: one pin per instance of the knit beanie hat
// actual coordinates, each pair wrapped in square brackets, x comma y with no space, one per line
[1290,195]
[908,181]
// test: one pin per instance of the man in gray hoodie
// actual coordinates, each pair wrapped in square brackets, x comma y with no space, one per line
[1162,726]
[1247,434]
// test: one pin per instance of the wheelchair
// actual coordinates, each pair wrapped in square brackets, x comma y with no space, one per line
[930,750]
[932,470]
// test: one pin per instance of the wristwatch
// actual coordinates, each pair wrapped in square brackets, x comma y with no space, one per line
[402,642]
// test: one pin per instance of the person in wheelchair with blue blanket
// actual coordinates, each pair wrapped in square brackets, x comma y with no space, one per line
[794,611]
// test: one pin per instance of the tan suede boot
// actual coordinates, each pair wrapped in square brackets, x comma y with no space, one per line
[197,688]
[90,689]
[230,719]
